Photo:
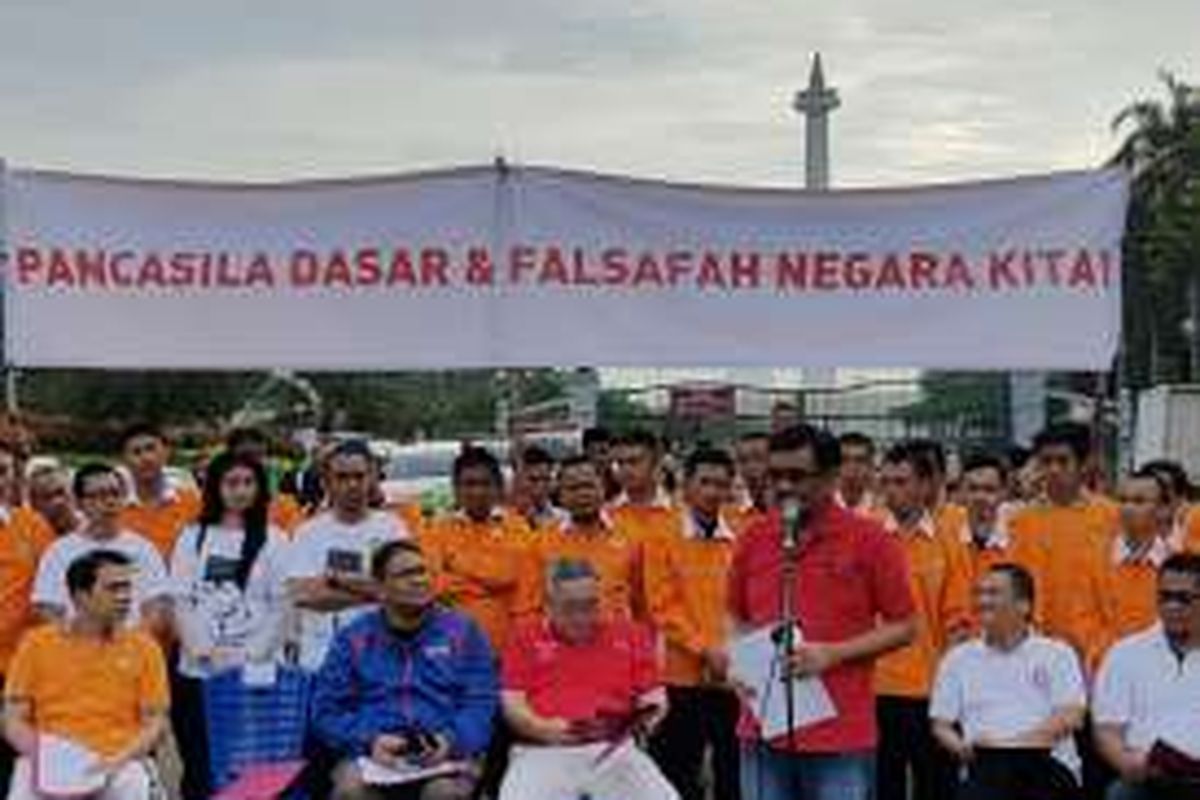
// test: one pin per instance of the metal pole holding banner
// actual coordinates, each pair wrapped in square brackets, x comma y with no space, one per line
[11,400]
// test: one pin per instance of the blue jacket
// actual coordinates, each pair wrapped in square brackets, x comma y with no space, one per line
[440,681]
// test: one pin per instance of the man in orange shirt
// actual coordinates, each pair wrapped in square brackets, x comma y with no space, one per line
[49,495]
[597,446]
[93,682]
[1139,551]
[941,586]
[686,578]
[986,535]
[643,508]
[478,555]
[158,507]
[533,489]
[1065,540]
[752,454]
[24,536]
[591,535]
[856,478]
[944,510]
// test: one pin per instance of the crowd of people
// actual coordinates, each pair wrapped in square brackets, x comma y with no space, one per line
[1006,629]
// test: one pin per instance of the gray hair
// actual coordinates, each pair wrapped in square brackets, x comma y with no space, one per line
[569,569]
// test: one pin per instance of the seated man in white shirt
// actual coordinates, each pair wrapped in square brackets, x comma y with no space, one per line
[1146,701]
[328,563]
[101,493]
[1008,703]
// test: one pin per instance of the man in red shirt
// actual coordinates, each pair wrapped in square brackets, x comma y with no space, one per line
[853,604]
[577,689]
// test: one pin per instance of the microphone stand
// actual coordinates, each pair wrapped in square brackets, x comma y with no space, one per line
[788,618]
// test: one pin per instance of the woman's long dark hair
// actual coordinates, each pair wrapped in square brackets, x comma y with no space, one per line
[254,519]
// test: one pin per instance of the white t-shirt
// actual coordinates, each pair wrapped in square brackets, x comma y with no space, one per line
[1145,687]
[1000,694]
[150,578]
[323,545]
[211,611]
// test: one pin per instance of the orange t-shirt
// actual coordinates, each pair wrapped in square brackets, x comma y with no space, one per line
[89,691]
[644,523]
[611,551]
[24,536]
[940,578]
[1068,550]
[1189,534]
[485,569]
[285,513]
[685,580]
[1135,587]
[161,524]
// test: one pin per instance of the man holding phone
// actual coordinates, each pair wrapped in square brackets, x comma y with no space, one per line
[409,688]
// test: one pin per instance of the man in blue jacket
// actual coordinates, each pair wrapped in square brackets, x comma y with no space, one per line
[412,685]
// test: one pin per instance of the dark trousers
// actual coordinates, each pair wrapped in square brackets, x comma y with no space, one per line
[1018,775]
[1097,774]
[191,736]
[906,744]
[699,718]
[8,757]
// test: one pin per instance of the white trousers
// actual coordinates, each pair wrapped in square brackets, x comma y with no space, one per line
[568,773]
[132,782]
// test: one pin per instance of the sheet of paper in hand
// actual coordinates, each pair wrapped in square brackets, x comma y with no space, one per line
[66,769]
[757,664]
[376,774]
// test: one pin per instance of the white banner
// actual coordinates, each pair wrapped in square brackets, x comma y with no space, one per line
[535,266]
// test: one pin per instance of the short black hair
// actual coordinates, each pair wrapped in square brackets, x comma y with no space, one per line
[1180,484]
[931,450]
[594,436]
[857,439]
[825,448]
[352,448]
[387,551]
[1161,480]
[87,472]
[1017,456]
[915,455]
[139,429]
[754,436]
[240,437]
[574,462]
[1182,564]
[85,570]
[1023,585]
[536,456]
[639,437]
[477,458]
[977,461]
[1073,435]
[707,456]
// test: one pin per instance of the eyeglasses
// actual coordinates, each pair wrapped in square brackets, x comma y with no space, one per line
[1180,598]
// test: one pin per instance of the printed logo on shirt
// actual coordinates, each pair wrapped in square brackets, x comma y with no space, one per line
[438,651]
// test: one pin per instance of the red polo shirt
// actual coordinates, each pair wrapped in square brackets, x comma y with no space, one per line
[576,682]
[849,574]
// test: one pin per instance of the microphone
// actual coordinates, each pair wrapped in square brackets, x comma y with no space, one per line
[795,519]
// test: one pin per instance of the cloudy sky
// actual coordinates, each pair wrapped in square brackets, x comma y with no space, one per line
[682,89]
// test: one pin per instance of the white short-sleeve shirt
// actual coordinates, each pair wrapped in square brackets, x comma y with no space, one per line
[998,694]
[213,612]
[323,545]
[1145,687]
[150,578]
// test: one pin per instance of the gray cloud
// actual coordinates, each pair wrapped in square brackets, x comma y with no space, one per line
[687,89]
